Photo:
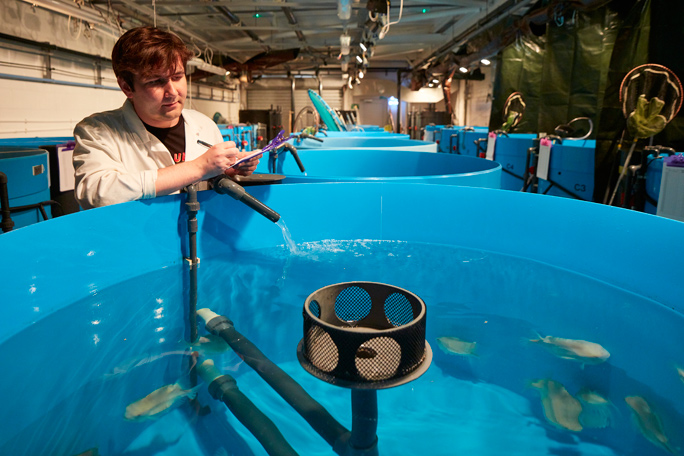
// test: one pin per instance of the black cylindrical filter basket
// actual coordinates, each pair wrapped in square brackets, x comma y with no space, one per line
[364,335]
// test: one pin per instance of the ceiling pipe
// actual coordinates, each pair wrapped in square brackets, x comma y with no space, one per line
[234,20]
[293,21]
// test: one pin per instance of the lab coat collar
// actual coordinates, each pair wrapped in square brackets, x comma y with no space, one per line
[137,127]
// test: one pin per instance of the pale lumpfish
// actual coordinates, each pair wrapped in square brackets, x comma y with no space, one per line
[560,408]
[680,372]
[597,411]
[210,344]
[648,422]
[577,350]
[456,346]
[151,406]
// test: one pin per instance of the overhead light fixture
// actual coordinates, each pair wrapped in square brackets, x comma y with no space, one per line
[435,81]
[360,74]
[204,66]
[485,62]
[363,47]
[359,59]
[463,70]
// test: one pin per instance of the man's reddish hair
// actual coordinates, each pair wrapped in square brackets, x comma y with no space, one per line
[144,51]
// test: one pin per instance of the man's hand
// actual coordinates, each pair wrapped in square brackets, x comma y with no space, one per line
[246,168]
[218,159]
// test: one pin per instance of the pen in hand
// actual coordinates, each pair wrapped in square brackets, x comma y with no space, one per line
[240,161]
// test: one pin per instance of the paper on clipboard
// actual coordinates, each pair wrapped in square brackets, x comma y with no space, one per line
[247,158]
[65,166]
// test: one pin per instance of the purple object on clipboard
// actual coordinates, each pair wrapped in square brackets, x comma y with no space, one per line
[675,160]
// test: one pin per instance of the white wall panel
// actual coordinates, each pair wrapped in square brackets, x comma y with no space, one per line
[35,109]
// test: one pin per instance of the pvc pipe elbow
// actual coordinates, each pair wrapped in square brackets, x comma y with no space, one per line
[207,314]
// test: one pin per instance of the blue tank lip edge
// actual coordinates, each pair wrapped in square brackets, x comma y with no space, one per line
[493,168]
[170,253]
[17,153]
[398,179]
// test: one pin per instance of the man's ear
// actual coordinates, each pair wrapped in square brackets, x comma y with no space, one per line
[125,88]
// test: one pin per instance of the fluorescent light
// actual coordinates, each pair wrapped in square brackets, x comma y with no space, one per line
[463,70]
[363,47]
[360,74]
[359,59]
[485,62]
[204,66]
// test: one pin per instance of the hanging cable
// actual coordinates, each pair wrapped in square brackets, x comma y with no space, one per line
[208,55]
[80,28]
[386,27]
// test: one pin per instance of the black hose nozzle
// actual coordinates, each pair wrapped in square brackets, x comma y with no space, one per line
[293,151]
[315,138]
[226,186]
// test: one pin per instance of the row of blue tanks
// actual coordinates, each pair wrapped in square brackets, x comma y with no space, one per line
[346,156]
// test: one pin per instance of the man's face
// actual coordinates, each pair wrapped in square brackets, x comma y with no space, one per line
[159,98]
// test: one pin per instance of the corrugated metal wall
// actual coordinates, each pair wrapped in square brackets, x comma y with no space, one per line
[261,98]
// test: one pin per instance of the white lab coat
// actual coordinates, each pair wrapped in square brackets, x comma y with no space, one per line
[116,159]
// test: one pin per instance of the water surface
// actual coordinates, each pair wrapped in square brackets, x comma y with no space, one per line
[73,373]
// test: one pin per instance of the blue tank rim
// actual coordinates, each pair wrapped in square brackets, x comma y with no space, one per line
[7,152]
[47,275]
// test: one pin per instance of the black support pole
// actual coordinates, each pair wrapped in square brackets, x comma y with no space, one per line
[7,222]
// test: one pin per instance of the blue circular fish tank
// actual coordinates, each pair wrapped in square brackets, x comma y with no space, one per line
[365,142]
[353,165]
[361,133]
[549,336]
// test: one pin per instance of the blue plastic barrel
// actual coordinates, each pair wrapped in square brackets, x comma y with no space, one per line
[571,170]
[27,182]
[654,175]
[511,153]
[461,139]
[433,133]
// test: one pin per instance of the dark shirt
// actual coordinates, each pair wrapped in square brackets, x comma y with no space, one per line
[173,138]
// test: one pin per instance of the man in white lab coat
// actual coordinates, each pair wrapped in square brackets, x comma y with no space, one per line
[149,147]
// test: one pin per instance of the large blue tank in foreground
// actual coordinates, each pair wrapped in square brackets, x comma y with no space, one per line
[512,281]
